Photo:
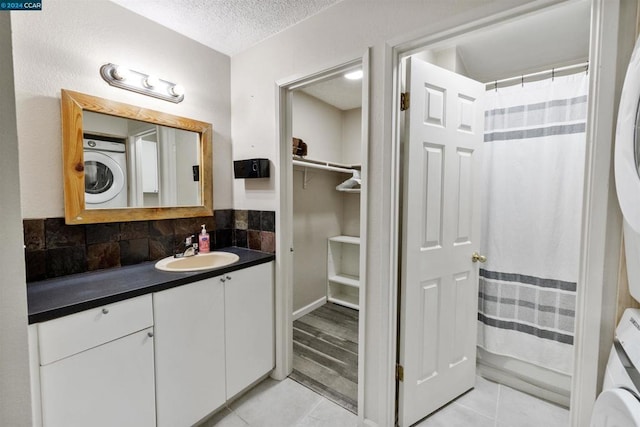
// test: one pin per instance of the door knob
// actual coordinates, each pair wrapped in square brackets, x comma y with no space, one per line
[475,257]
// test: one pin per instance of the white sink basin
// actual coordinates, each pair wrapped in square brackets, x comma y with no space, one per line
[198,262]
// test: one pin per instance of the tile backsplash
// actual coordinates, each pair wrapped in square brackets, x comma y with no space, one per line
[54,249]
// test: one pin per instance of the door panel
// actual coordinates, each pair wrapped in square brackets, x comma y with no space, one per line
[441,229]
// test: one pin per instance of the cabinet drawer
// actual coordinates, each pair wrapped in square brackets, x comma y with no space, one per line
[65,336]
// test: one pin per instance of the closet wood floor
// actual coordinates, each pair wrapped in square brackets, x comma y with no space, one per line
[325,353]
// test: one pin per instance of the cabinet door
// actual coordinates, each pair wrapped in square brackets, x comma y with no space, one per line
[249,326]
[189,344]
[109,385]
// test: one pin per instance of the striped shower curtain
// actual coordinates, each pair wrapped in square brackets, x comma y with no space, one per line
[532,204]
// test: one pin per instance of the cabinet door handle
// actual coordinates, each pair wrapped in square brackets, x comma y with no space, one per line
[222,279]
[150,334]
[228,277]
[105,311]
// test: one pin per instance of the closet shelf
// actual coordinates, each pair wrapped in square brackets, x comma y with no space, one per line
[343,270]
[353,183]
[345,279]
[324,165]
[346,300]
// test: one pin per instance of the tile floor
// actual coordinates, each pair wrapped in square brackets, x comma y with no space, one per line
[493,405]
[282,404]
[289,404]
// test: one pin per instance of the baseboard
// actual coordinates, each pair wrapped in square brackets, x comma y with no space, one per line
[309,308]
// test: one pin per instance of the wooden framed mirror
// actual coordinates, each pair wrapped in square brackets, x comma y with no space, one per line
[126,163]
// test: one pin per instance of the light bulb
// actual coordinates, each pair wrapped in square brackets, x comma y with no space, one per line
[150,82]
[354,75]
[120,72]
[176,90]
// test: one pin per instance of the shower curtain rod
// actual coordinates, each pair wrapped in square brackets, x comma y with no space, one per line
[539,75]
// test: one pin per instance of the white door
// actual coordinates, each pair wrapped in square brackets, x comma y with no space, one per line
[441,229]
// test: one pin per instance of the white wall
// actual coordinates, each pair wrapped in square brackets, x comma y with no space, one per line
[319,125]
[352,136]
[64,45]
[15,407]
[338,34]
[317,215]
[319,211]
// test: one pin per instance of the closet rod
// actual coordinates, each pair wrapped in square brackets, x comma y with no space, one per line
[322,167]
[539,75]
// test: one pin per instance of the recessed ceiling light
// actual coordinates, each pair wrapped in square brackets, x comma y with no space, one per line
[354,75]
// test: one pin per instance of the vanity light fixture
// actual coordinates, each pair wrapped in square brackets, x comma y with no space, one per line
[354,75]
[146,84]
[150,82]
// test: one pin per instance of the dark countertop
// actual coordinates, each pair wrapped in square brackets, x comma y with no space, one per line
[53,298]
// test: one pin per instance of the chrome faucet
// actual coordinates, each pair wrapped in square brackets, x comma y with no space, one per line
[191,248]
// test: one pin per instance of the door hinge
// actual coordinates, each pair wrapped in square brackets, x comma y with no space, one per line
[399,372]
[404,101]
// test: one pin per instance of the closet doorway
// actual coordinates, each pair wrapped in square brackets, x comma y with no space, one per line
[323,171]
[499,166]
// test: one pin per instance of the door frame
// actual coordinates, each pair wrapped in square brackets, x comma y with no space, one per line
[284,219]
[601,227]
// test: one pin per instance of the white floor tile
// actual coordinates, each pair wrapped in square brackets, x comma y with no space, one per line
[517,409]
[454,415]
[483,399]
[224,418]
[329,414]
[276,404]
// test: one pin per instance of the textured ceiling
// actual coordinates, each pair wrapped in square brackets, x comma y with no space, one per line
[340,92]
[228,26]
[550,38]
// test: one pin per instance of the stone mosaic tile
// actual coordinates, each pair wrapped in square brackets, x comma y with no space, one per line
[224,238]
[58,234]
[241,218]
[267,241]
[103,255]
[35,265]
[66,260]
[254,240]
[134,251]
[254,220]
[160,247]
[224,219]
[34,238]
[268,221]
[240,238]
[102,233]
[54,249]
[163,227]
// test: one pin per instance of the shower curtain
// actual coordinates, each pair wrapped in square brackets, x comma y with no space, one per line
[531,216]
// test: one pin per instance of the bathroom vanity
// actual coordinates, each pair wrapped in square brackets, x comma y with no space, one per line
[135,346]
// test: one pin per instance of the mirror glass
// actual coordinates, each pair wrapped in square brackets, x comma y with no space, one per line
[636,139]
[126,163]
[154,165]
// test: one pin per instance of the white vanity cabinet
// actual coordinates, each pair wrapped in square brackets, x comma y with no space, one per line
[213,339]
[190,357]
[166,359]
[96,367]
[249,326]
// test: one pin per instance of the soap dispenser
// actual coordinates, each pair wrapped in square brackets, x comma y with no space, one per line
[203,241]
